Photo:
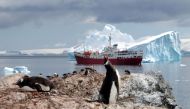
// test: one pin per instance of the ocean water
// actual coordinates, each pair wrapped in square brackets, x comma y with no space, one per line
[176,73]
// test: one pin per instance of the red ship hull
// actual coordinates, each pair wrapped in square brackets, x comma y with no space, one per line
[115,61]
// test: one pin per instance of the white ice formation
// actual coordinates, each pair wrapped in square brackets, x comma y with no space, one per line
[163,47]
[18,69]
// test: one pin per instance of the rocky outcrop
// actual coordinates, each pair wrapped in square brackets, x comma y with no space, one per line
[147,89]
[79,91]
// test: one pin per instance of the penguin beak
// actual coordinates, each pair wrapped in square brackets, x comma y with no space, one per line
[105,60]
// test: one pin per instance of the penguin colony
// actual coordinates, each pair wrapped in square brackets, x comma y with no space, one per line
[109,91]
[42,84]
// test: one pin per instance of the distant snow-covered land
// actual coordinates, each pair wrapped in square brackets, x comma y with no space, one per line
[185,46]
[57,51]
[37,52]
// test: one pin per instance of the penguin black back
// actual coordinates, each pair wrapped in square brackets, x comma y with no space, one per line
[110,88]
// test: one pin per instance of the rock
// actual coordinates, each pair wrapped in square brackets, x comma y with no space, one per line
[78,91]
[147,89]
[7,82]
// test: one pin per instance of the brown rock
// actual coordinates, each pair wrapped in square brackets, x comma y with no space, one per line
[74,92]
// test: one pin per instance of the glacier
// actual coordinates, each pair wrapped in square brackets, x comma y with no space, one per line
[163,47]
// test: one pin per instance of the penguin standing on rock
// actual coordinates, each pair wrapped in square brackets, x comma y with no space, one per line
[109,91]
[35,83]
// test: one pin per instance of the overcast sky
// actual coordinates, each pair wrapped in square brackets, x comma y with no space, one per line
[31,24]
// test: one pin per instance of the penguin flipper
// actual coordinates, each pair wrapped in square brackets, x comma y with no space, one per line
[38,88]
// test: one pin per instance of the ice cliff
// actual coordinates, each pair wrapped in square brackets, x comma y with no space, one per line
[163,47]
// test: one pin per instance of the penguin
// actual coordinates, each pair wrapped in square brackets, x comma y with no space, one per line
[86,72]
[127,72]
[74,72]
[35,83]
[55,75]
[109,91]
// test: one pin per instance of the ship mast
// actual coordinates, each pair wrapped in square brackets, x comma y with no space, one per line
[109,40]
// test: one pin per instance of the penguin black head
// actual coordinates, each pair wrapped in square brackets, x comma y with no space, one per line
[55,75]
[127,72]
[106,60]
[109,67]
[74,72]
[22,82]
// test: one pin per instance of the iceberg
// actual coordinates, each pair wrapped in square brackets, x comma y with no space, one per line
[163,47]
[17,69]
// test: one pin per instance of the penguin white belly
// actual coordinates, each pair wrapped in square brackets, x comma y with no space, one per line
[43,87]
[118,76]
[113,94]
[27,88]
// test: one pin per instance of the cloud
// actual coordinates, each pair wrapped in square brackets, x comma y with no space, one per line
[18,12]
[90,20]
[142,11]
[60,45]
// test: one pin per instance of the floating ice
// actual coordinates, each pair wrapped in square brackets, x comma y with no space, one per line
[183,65]
[163,47]
[17,69]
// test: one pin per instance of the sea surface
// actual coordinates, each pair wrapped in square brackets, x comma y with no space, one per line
[176,73]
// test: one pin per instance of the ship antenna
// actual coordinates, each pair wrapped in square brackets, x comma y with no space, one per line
[109,40]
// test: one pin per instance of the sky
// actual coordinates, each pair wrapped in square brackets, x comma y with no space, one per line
[34,24]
